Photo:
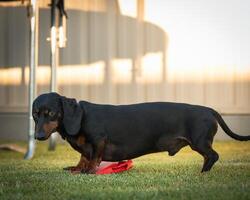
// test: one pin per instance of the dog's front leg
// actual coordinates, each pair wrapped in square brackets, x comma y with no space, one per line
[82,166]
[98,148]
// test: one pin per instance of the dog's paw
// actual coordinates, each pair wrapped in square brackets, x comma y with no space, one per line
[78,170]
[68,168]
[91,170]
[75,169]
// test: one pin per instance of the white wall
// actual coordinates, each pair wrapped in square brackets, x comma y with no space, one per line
[204,33]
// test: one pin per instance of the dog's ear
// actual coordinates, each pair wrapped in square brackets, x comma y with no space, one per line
[72,115]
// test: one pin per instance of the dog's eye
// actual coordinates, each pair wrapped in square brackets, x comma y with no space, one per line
[51,113]
[35,116]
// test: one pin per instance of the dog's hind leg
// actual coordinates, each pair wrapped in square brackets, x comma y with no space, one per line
[210,156]
[203,145]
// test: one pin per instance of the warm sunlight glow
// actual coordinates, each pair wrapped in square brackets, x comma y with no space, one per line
[10,76]
[151,69]
[71,74]
[122,71]
[82,74]
[206,42]
[128,7]
[209,74]
[42,76]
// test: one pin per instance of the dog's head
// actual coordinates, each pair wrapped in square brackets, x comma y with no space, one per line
[51,111]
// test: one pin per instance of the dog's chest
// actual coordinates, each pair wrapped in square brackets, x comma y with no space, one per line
[77,142]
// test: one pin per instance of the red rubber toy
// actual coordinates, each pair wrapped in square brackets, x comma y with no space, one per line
[114,167]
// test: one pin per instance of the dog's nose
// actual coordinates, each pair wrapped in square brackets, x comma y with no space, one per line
[40,136]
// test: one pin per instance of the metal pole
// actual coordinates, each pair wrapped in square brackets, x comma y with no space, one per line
[53,38]
[32,74]
[53,61]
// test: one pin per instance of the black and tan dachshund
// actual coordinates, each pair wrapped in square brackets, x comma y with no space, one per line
[114,133]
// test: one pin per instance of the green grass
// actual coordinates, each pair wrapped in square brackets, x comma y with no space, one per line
[155,176]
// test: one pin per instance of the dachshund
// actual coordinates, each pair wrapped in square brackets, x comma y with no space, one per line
[119,132]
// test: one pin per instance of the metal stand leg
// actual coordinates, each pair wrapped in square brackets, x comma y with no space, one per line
[52,142]
[54,52]
[32,76]
[53,61]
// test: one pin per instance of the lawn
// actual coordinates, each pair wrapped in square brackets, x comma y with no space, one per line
[155,176]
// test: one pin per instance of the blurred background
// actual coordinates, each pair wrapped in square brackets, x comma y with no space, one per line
[130,51]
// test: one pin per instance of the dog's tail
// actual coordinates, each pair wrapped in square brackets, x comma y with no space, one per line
[227,130]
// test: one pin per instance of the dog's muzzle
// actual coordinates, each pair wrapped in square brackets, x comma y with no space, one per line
[40,136]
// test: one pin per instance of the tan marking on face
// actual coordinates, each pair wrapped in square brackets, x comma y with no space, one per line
[80,140]
[49,127]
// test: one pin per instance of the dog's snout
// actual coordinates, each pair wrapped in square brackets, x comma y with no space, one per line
[40,135]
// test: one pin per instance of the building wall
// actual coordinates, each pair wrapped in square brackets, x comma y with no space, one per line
[111,57]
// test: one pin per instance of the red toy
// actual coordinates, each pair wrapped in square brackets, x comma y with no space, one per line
[114,167]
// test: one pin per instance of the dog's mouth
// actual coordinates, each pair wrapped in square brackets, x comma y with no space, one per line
[41,138]
[46,130]
[44,136]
